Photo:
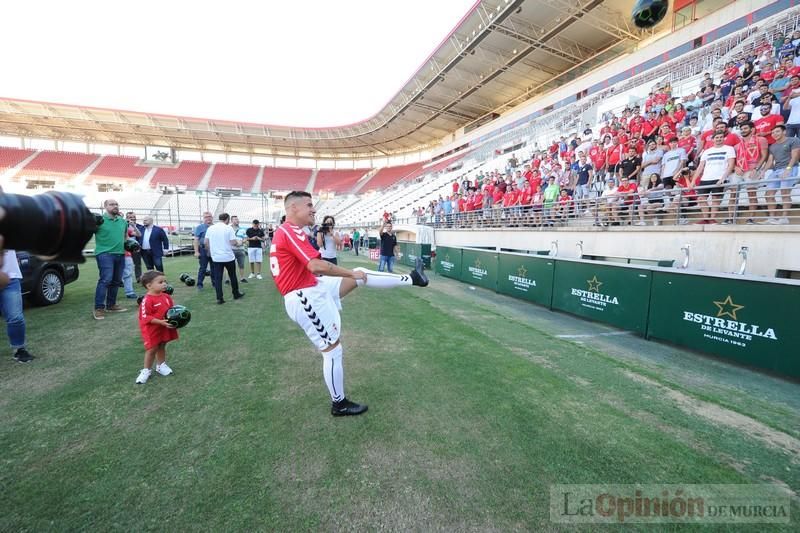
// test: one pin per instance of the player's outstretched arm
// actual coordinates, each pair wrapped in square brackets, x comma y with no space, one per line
[318,267]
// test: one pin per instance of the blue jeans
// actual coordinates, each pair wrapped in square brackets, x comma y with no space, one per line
[111,267]
[11,308]
[205,264]
[388,261]
[127,277]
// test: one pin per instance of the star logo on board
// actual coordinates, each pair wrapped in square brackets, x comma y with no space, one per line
[522,271]
[594,284]
[478,263]
[728,308]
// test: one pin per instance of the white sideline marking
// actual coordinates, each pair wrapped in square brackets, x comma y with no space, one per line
[588,336]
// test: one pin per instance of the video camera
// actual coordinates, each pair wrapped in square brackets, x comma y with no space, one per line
[56,225]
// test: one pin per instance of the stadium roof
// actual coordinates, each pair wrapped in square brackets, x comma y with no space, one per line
[500,54]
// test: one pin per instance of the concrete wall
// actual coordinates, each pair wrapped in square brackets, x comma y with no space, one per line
[713,248]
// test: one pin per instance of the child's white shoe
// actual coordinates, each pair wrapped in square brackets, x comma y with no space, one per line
[144,375]
[163,369]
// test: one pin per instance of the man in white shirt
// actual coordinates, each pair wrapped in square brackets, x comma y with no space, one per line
[11,307]
[673,162]
[220,240]
[716,164]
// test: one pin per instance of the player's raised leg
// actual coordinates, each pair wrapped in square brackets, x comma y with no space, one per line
[385,280]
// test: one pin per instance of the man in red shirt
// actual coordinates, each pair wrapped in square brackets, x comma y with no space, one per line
[598,158]
[614,154]
[637,143]
[649,126]
[535,181]
[688,142]
[636,122]
[751,154]
[312,290]
[731,139]
[767,123]
[627,191]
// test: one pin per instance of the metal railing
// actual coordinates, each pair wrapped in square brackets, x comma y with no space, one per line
[764,201]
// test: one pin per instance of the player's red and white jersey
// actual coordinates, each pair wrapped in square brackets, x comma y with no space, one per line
[289,255]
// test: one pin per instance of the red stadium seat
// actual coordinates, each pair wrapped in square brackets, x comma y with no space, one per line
[386,177]
[285,179]
[231,176]
[118,168]
[11,157]
[338,181]
[187,174]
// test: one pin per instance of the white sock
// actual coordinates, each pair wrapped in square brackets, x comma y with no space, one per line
[383,280]
[333,370]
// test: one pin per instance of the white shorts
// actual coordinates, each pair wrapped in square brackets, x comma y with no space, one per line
[316,310]
[255,255]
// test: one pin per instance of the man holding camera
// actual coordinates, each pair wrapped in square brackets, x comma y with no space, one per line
[109,252]
[327,241]
[389,248]
[136,256]
[128,272]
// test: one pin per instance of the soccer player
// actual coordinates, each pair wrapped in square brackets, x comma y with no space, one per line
[312,290]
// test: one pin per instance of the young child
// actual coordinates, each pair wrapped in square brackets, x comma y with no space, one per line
[156,332]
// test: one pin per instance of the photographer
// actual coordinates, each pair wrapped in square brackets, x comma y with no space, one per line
[109,252]
[327,241]
[389,248]
[136,256]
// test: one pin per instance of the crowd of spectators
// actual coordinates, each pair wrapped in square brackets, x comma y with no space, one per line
[700,158]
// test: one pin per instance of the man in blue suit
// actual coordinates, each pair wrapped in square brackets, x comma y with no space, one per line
[153,241]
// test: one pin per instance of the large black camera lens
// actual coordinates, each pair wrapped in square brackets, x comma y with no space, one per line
[54,224]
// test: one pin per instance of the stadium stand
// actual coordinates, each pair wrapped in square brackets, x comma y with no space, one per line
[232,176]
[58,166]
[338,181]
[676,82]
[118,168]
[390,176]
[11,157]
[417,190]
[187,174]
[285,179]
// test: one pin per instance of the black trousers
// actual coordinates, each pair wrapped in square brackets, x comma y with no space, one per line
[216,277]
[137,265]
[152,262]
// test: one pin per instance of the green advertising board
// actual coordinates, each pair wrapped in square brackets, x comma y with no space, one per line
[409,251]
[617,295]
[748,320]
[404,251]
[479,268]
[448,262]
[425,252]
[524,276]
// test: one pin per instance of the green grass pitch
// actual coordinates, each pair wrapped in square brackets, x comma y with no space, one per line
[477,407]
